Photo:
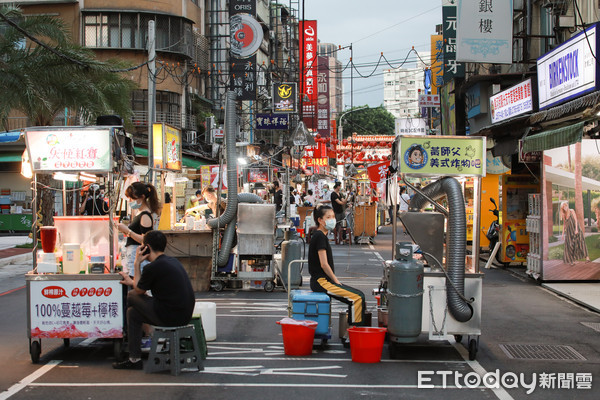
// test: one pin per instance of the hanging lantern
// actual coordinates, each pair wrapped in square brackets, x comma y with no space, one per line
[345,142]
[318,137]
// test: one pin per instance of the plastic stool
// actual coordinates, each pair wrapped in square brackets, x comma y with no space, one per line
[197,322]
[340,234]
[167,352]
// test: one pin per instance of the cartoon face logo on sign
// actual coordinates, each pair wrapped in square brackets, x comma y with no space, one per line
[415,157]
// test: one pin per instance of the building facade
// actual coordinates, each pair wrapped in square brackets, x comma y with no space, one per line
[401,89]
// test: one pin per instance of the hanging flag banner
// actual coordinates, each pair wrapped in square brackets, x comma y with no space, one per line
[246,36]
[323,97]
[484,31]
[437,63]
[378,172]
[308,63]
[452,68]
[437,155]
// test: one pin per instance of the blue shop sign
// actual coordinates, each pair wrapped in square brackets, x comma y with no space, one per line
[272,121]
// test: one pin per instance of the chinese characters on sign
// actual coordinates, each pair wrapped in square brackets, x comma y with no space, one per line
[512,101]
[429,100]
[69,309]
[437,63]
[452,68]
[243,78]
[71,149]
[429,155]
[272,121]
[284,97]
[323,97]
[315,162]
[410,126]
[484,31]
[246,37]
[378,172]
[308,63]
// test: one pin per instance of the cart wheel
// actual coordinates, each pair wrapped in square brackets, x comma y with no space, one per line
[67,342]
[218,286]
[458,338]
[35,349]
[118,350]
[472,349]
[269,286]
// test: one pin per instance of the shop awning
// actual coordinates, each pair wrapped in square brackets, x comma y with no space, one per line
[187,161]
[10,156]
[554,138]
[566,179]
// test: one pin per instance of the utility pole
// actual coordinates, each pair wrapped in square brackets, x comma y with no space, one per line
[151,94]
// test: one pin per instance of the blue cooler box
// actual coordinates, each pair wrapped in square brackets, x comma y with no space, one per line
[313,306]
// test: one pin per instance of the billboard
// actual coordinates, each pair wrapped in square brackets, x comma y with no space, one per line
[511,102]
[484,31]
[245,38]
[308,64]
[452,68]
[569,211]
[569,70]
[284,97]
[323,97]
[437,63]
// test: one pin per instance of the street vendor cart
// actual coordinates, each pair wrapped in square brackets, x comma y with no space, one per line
[74,290]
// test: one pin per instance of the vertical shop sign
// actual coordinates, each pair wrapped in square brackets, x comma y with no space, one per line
[484,31]
[284,97]
[323,97]
[452,68]
[437,63]
[308,62]
[246,36]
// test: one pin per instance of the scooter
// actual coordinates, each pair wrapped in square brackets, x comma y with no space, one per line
[493,232]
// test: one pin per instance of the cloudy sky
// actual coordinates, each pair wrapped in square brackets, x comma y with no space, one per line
[375,26]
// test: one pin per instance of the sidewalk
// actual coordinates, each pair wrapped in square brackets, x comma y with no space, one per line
[9,254]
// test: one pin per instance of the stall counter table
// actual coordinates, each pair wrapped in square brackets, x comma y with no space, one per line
[194,250]
[365,220]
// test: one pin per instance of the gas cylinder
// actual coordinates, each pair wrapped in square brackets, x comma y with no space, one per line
[290,251]
[404,295]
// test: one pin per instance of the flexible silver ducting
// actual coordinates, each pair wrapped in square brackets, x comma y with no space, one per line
[232,181]
[456,241]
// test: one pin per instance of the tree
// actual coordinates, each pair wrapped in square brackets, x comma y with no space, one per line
[369,121]
[42,72]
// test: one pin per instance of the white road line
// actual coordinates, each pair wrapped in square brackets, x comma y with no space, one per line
[243,385]
[500,392]
[28,380]
[288,358]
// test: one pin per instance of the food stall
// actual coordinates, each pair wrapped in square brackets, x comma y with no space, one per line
[74,290]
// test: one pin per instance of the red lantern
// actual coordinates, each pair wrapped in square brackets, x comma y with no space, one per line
[345,142]
[318,137]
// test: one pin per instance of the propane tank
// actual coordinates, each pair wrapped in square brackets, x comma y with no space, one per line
[290,251]
[404,295]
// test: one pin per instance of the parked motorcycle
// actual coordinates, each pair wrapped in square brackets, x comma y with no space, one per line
[493,232]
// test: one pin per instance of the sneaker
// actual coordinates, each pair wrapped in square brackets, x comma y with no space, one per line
[127,364]
[146,343]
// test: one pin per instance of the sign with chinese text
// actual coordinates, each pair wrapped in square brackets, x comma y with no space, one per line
[243,78]
[76,309]
[314,162]
[484,31]
[411,126]
[452,68]
[437,63]
[494,165]
[173,147]
[308,64]
[569,70]
[77,149]
[513,101]
[272,121]
[246,36]
[429,100]
[378,172]
[435,155]
[258,175]
[284,97]
[323,97]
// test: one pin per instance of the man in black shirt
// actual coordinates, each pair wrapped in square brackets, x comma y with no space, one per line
[172,302]
[337,203]
[94,203]
[277,196]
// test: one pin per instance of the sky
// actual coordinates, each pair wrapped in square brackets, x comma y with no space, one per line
[375,26]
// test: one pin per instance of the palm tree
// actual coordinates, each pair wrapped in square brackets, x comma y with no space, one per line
[42,72]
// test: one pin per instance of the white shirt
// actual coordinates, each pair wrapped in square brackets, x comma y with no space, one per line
[403,202]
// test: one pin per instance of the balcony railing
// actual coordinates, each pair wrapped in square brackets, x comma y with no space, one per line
[140,118]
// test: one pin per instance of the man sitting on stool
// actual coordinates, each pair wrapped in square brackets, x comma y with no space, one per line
[172,302]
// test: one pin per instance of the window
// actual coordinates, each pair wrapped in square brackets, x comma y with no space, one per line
[166,102]
[130,30]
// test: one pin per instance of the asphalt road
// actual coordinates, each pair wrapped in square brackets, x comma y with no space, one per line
[247,360]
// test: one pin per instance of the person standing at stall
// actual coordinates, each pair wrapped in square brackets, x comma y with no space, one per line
[94,203]
[172,302]
[143,199]
[277,196]
[322,269]
[338,203]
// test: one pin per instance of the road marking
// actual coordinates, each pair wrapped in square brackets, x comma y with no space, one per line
[260,370]
[11,291]
[288,358]
[28,380]
[500,392]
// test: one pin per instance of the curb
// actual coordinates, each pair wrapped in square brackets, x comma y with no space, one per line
[18,259]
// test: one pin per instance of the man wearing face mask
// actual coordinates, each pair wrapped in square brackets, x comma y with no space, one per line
[322,270]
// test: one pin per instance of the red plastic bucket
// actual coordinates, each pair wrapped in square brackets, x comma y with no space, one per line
[366,343]
[298,336]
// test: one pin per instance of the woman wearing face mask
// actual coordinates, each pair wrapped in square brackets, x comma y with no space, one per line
[322,270]
[143,199]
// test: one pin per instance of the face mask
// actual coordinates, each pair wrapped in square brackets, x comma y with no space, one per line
[135,205]
[330,224]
